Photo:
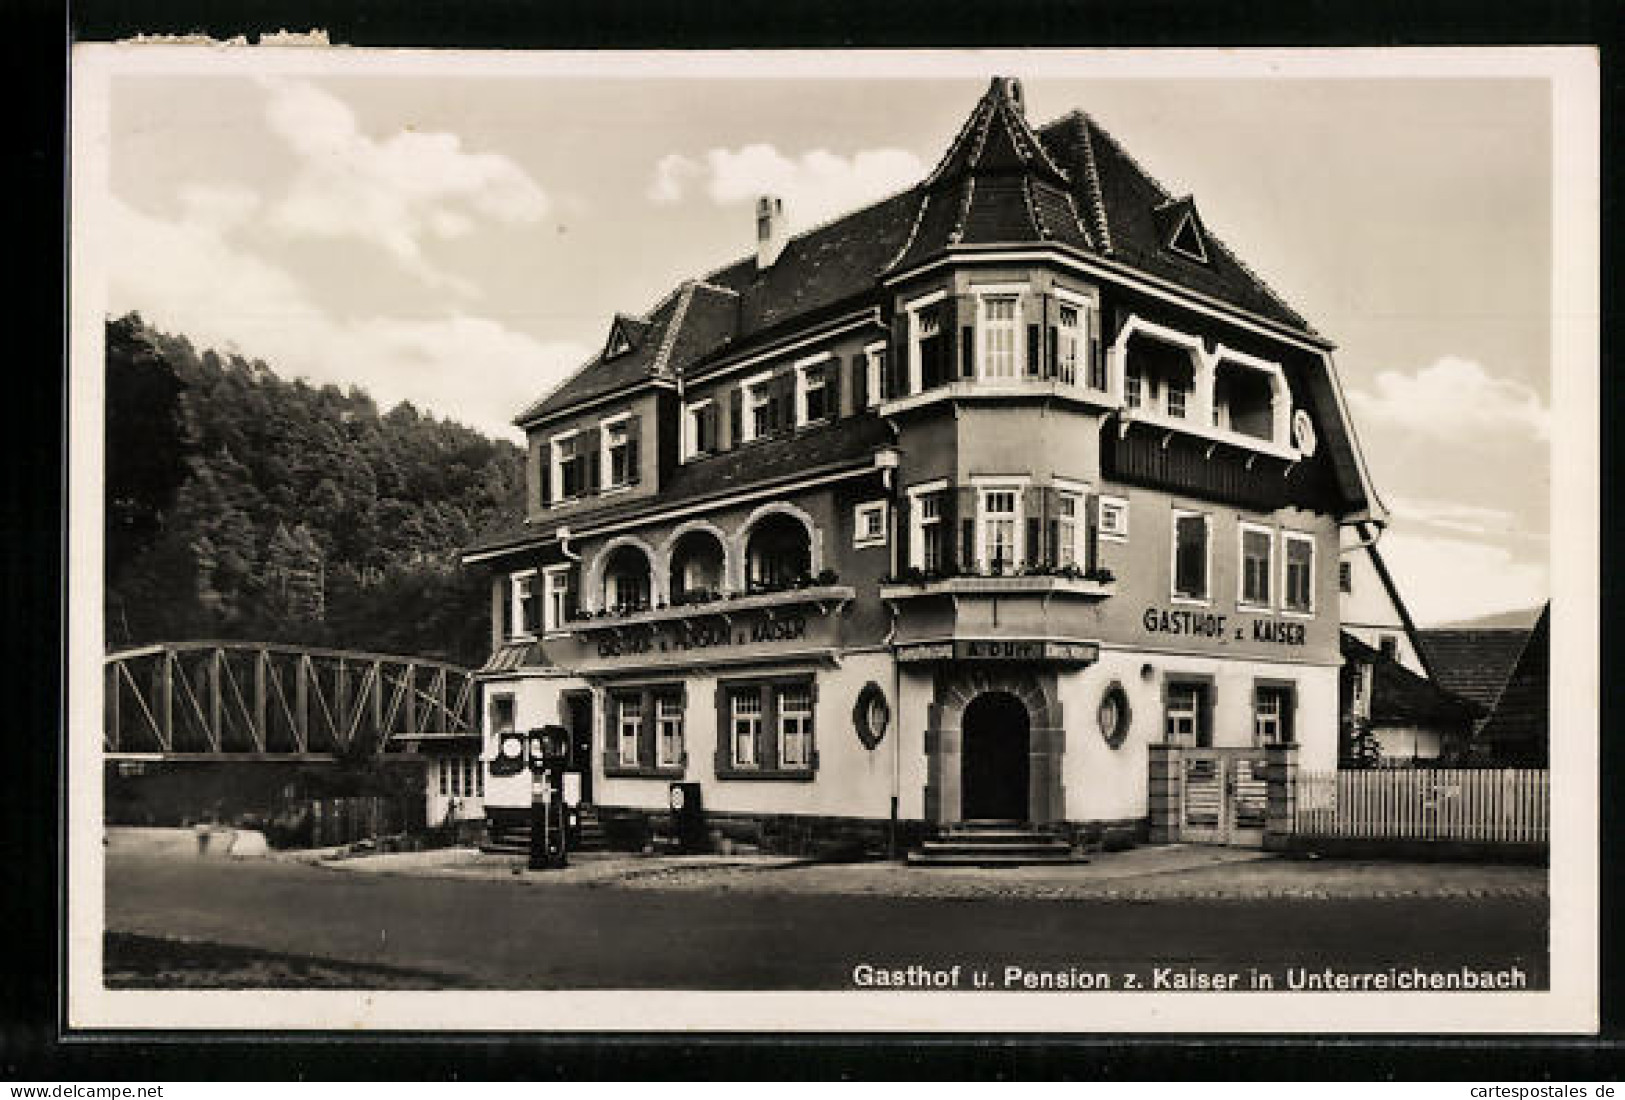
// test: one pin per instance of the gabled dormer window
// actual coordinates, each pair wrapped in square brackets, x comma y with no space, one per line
[1187,238]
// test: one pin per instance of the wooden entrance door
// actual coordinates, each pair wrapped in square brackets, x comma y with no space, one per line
[1222,797]
[578,718]
[994,773]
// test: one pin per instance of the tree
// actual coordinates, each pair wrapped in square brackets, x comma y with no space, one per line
[145,448]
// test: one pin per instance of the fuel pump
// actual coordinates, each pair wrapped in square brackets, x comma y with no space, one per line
[548,750]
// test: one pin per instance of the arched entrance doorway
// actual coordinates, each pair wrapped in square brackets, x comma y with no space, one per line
[994,775]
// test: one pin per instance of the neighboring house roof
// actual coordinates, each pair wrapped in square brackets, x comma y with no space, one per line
[1523,713]
[1474,663]
[1000,182]
[847,442]
[1401,697]
[1401,610]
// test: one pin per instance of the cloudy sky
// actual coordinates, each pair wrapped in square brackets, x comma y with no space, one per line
[461,240]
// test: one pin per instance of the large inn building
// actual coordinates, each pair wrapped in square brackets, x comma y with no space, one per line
[946,510]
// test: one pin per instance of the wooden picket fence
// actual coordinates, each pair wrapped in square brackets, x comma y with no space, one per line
[1507,805]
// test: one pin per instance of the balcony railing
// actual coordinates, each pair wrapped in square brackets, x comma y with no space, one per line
[1037,581]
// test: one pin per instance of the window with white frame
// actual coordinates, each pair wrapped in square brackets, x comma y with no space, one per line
[1114,519]
[999,518]
[616,443]
[526,618]
[874,365]
[1185,714]
[1000,346]
[1272,715]
[1298,590]
[926,545]
[569,466]
[1176,395]
[461,777]
[1133,388]
[869,524]
[812,384]
[628,728]
[1190,556]
[699,428]
[759,411]
[1068,510]
[928,345]
[668,731]
[745,725]
[558,597]
[795,726]
[1068,341]
[1257,565]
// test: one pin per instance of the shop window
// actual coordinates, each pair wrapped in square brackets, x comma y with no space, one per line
[766,729]
[1114,519]
[526,606]
[1187,715]
[1257,551]
[1190,566]
[1299,594]
[1272,715]
[1000,351]
[999,516]
[869,524]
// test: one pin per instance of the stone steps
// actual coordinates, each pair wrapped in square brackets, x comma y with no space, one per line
[992,844]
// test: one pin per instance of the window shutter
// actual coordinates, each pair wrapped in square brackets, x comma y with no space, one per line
[860,382]
[967,351]
[1035,541]
[634,433]
[767,741]
[544,477]
[812,726]
[948,324]
[593,461]
[896,367]
[1091,511]
[724,751]
[1034,335]
[945,528]
[710,431]
[967,543]
[1097,362]
[736,415]
[505,587]
[609,721]
[1052,353]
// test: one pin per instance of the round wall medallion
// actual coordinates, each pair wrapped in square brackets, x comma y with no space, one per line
[871,715]
[1114,715]
[1303,432]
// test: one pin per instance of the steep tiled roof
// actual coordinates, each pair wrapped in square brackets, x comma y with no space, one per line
[1474,663]
[1000,182]
[831,446]
[1522,714]
[1400,696]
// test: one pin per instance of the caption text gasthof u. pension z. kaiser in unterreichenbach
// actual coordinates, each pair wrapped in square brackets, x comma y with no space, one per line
[1186,979]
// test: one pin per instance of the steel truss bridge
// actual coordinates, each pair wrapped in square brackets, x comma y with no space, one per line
[261,701]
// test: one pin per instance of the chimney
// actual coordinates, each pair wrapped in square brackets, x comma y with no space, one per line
[770,235]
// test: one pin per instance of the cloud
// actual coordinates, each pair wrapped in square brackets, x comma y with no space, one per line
[1454,397]
[395,193]
[814,186]
[1470,519]
[218,294]
[1443,578]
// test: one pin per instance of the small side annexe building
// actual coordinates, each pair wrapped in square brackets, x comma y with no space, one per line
[944,510]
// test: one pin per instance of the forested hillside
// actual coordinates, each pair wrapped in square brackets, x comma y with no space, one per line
[243,506]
